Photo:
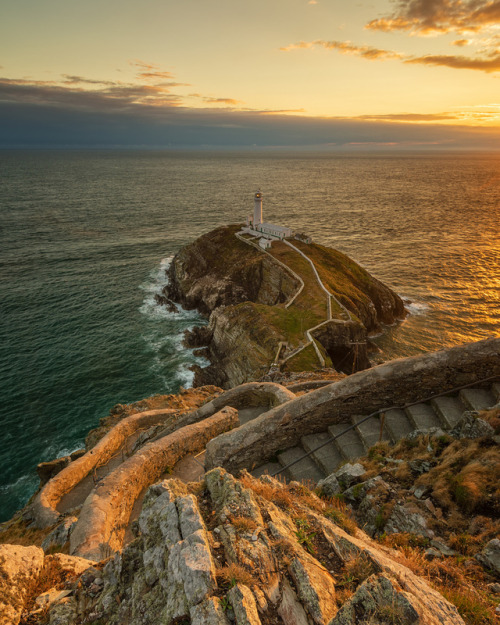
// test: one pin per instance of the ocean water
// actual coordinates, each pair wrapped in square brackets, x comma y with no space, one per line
[85,238]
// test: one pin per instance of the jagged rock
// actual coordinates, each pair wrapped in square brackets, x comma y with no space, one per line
[444,549]
[64,612]
[244,605]
[420,491]
[378,601]
[433,431]
[419,466]
[165,572]
[405,518]
[490,555]
[199,336]
[162,300]
[47,470]
[350,474]
[471,426]
[357,492]
[50,597]
[19,568]
[290,608]
[210,612]
[330,486]
[59,536]
[230,498]
[315,588]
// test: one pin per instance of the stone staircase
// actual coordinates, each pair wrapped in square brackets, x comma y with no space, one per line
[443,412]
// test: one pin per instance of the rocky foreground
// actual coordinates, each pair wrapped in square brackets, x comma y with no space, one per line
[257,551]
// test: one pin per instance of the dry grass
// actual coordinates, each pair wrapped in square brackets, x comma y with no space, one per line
[233,574]
[243,524]
[337,511]
[276,493]
[468,476]
[493,418]
[17,532]
[451,577]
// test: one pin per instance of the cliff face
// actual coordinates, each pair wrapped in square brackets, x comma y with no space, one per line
[219,270]
[244,291]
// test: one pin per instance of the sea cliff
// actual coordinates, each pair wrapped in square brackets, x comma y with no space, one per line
[257,300]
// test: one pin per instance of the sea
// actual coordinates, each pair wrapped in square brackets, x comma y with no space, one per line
[86,237]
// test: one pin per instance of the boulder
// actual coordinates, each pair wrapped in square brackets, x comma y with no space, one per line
[330,486]
[19,569]
[349,474]
[244,605]
[489,557]
[379,600]
[471,426]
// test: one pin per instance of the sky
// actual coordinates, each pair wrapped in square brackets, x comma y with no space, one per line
[326,74]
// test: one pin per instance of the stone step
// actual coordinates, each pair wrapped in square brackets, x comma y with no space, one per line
[495,389]
[349,444]
[449,410]
[369,431]
[269,468]
[303,471]
[477,398]
[423,416]
[397,423]
[328,458]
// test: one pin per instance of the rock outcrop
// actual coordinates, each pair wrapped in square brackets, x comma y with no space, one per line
[251,551]
[244,290]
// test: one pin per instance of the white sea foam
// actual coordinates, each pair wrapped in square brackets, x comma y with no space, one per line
[170,360]
[416,308]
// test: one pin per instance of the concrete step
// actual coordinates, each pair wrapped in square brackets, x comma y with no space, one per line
[304,471]
[349,444]
[328,458]
[269,468]
[397,424]
[369,431]
[477,398]
[423,416]
[449,410]
[495,389]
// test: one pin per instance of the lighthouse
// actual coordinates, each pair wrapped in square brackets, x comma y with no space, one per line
[257,209]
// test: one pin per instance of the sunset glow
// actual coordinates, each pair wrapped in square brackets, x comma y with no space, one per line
[378,72]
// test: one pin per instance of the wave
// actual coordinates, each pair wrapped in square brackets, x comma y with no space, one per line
[416,308]
[164,333]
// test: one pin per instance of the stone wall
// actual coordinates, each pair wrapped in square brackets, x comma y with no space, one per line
[392,384]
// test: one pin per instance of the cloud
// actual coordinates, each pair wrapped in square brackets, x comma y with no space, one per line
[346,47]
[426,17]
[81,113]
[490,63]
[487,61]
[461,42]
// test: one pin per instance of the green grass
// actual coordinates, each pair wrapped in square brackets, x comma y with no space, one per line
[306,360]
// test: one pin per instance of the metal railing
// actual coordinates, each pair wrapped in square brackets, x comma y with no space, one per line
[381,411]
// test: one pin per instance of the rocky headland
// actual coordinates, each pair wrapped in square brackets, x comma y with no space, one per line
[260,301]
[343,495]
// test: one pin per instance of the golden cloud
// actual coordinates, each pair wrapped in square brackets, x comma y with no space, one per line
[346,47]
[426,17]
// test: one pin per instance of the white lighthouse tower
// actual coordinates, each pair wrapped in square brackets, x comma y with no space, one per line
[257,209]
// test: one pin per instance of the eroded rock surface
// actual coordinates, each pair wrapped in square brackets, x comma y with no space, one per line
[19,569]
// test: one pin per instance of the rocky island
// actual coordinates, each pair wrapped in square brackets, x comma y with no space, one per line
[354,495]
[261,305]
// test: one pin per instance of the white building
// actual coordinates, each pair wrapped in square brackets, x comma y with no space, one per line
[257,226]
